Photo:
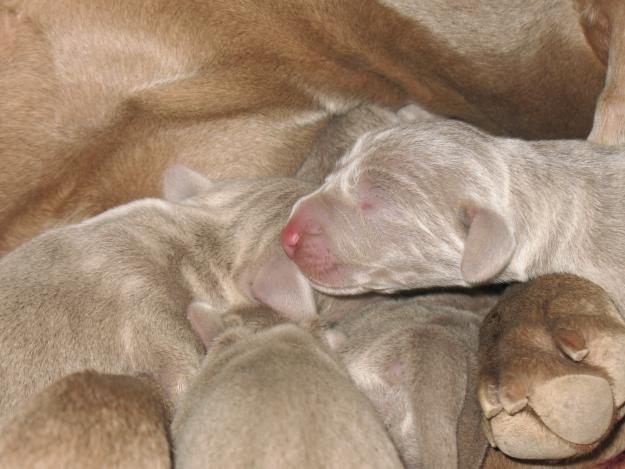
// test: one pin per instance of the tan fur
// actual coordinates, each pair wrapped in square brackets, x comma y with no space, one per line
[604,24]
[102,95]
[89,420]
[276,398]
[554,327]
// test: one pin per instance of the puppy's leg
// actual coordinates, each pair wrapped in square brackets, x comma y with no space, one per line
[552,379]
[603,22]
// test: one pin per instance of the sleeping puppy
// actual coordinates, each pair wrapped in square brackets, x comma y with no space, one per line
[110,294]
[273,397]
[443,204]
[417,363]
[104,96]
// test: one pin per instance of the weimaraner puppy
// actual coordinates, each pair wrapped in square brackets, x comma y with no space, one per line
[417,363]
[444,204]
[111,293]
[273,397]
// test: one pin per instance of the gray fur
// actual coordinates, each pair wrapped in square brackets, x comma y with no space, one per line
[111,293]
[417,363]
[276,398]
[559,205]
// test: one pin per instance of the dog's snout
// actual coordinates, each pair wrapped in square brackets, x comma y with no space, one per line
[302,225]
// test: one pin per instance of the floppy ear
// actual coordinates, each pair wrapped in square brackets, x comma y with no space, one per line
[488,248]
[279,284]
[180,182]
[206,322]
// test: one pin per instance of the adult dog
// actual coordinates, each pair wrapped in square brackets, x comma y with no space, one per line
[98,97]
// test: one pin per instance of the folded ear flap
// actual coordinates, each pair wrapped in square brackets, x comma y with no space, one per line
[180,182]
[205,321]
[279,284]
[488,248]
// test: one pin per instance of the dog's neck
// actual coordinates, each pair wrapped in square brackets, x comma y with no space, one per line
[569,212]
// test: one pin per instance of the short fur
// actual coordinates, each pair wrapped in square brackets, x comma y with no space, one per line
[604,25]
[551,373]
[111,293]
[442,204]
[89,420]
[276,398]
[104,95]
[417,364]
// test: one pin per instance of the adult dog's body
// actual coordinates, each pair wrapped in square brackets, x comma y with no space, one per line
[97,98]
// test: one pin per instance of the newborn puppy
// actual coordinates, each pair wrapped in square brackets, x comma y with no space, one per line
[417,364]
[274,398]
[552,380]
[89,420]
[443,204]
[111,293]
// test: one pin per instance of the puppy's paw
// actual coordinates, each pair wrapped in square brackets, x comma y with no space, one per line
[552,376]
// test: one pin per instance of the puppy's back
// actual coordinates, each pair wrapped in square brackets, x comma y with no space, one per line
[277,399]
[87,420]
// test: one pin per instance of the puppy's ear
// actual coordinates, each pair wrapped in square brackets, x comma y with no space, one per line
[205,321]
[180,182]
[489,245]
[279,284]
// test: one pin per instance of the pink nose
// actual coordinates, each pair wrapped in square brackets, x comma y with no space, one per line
[290,238]
[301,227]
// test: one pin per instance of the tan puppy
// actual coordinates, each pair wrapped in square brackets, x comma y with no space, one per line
[89,420]
[99,97]
[274,398]
[551,378]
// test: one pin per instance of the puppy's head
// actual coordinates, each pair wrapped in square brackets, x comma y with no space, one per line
[245,220]
[408,207]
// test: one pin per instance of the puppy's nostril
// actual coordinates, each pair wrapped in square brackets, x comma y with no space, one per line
[290,238]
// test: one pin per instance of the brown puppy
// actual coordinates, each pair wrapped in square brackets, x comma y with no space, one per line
[99,97]
[552,380]
[89,420]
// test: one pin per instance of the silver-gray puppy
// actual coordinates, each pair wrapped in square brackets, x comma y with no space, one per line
[417,363]
[274,398]
[111,293]
[443,204]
